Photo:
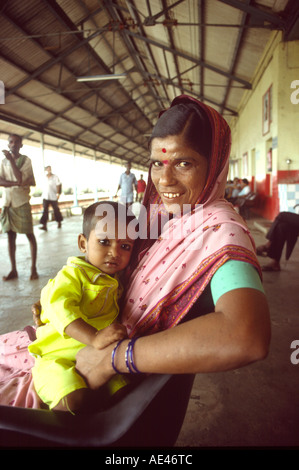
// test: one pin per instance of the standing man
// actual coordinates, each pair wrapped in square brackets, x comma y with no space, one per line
[16,175]
[141,185]
[127,183]
[51,194]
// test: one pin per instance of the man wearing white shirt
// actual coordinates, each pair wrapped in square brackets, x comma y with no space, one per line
[16,176]
[51,194]
[245,188]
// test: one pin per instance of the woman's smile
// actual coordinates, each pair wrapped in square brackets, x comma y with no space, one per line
[171,195]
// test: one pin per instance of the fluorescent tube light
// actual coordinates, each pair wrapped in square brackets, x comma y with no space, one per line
[92,78]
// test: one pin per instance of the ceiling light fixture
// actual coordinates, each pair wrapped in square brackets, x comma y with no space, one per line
[92,78]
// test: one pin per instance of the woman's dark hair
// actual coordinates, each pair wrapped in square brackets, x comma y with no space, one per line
[187,119]
[91,217]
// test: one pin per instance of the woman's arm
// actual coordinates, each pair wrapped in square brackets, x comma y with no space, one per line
[236,334]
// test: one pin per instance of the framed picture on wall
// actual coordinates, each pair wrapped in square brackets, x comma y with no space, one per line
[267,110]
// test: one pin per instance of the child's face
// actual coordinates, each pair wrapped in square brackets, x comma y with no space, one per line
[105,250]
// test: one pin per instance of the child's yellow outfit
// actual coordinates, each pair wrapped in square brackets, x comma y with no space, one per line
[79,290]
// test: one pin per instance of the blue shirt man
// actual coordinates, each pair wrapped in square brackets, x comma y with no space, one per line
[127,183]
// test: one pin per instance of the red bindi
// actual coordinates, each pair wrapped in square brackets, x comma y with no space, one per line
[164,150]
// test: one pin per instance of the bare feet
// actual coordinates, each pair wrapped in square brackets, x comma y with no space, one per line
[34,275]
[273,266]
[262,250]
[12,275]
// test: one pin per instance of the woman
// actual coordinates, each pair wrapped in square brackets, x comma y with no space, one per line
[181,311]
[192,310]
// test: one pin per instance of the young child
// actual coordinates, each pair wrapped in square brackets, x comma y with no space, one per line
[80,307]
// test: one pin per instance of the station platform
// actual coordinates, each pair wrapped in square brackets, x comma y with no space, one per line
[252,407]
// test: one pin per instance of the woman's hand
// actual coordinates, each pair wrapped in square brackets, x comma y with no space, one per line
[237,333]
[36,311]
[95,365]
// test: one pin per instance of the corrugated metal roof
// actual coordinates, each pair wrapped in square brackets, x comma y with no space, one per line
[206,48]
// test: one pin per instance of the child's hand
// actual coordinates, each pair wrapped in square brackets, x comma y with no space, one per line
[110,334]
[36,311]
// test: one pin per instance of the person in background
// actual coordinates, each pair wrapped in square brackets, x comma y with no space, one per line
[232,189]
[240,201]
[284,229]
[245,188]
[141,185]
[127,184]
[16,176]
[51,194]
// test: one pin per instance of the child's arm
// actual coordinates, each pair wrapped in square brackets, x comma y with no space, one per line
[87,334]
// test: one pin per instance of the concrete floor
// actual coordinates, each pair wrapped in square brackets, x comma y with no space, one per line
[256,406]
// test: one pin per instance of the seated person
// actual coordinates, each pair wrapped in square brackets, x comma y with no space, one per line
[284,230]
[177,308]
[245,188]
[233,190]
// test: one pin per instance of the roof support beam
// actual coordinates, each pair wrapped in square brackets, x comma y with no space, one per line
[38,129]
[151,20]
[66,22]
[186,90]
[257,12]
[199,62]
[235,54]
[46,124]
[51,62]
[171,41]
[135,15]
[112,11]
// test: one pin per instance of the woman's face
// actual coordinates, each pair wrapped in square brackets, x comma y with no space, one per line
[178,172]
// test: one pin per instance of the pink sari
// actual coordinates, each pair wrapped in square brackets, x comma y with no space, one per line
[174,270]
[171,272]
[16,384]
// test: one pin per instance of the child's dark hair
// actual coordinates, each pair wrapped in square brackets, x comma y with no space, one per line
[189,120]
[90,217]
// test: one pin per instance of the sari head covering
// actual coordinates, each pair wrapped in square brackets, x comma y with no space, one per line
[173,270]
